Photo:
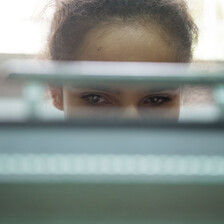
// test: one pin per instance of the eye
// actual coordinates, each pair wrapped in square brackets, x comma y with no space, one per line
[96,99]
[156,100]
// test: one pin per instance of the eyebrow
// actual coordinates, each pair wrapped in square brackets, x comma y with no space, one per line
[103,89]
[160,89]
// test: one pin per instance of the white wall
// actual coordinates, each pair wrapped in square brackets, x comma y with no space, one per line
[24,26]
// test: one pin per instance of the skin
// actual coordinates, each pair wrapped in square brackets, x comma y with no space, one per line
[133,43]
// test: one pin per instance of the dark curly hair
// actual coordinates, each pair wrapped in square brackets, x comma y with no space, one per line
[74,18]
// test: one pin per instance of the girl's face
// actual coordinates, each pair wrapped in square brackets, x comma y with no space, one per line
[133,43]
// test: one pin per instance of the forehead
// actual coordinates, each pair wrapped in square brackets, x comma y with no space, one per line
[126,42]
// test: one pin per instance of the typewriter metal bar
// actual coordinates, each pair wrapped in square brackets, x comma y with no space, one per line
[92,73]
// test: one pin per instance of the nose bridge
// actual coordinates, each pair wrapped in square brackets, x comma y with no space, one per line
[130,112]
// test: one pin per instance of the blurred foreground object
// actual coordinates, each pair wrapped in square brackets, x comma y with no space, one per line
[125,172]
[97,170]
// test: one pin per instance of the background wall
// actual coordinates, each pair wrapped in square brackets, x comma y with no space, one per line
[25,24]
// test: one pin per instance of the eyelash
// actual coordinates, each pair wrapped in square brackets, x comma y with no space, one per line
[88,99]
[162,99]
[106,101]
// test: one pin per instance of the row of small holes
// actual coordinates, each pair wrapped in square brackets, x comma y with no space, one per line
[72,164]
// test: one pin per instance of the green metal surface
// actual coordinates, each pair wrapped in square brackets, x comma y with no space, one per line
[95,73]
[112,202]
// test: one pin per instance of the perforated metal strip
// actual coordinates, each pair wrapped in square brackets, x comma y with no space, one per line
[73,164]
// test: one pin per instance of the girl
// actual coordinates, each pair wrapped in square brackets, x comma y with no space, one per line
[121,30]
